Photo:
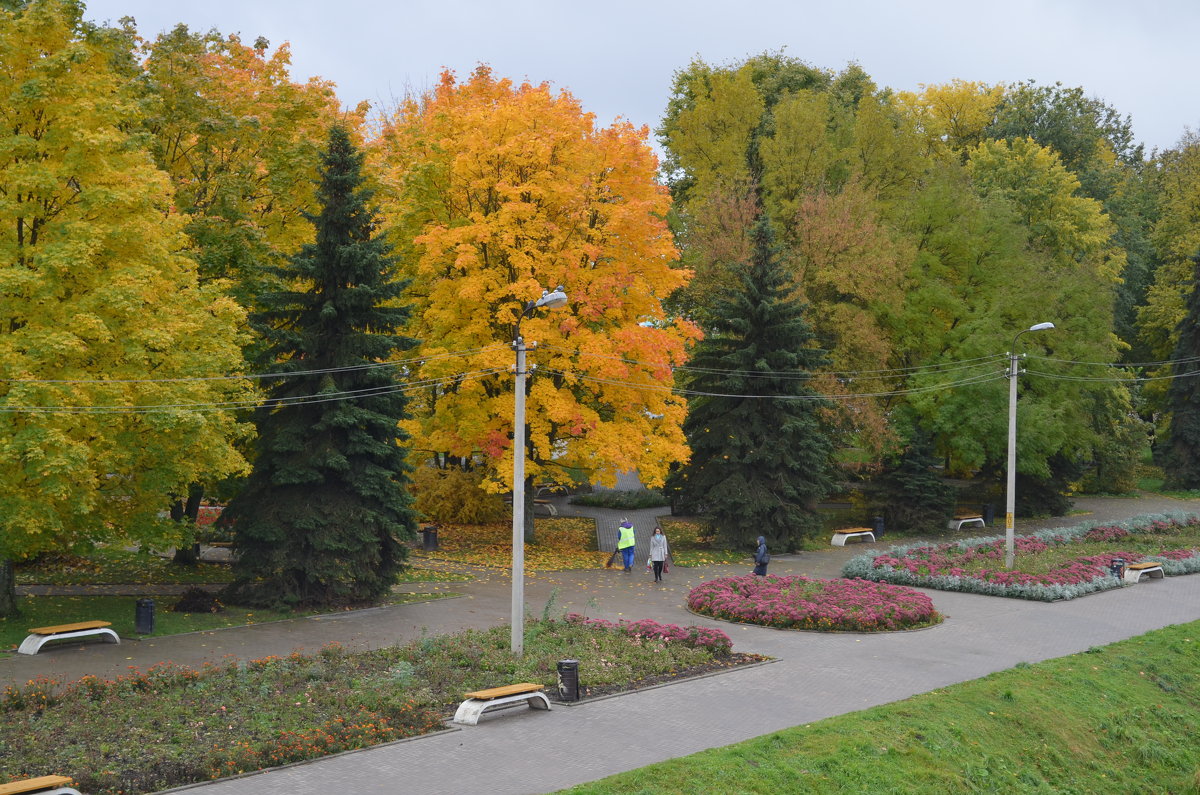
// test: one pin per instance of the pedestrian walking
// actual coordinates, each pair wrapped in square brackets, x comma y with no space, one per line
[761,558]
[626,544]
[658,553]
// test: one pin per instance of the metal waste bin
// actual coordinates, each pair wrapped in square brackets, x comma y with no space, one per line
[143,619]
[877,526]
[1117,567]
[429,541]
[568,680]
[989,514]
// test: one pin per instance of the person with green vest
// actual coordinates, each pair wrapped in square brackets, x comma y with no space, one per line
[626,544]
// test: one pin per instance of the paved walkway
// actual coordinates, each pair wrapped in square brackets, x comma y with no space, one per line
[535,752]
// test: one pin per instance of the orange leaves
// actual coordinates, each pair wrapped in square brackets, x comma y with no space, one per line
[499,190]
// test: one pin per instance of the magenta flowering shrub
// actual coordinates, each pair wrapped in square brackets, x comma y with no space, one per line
[977,565]
[716,641]
[791,602]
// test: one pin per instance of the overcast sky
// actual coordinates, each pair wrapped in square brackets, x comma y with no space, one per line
[618,56]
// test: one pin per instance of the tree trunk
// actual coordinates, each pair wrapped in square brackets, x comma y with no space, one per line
[188,551]
[8,590]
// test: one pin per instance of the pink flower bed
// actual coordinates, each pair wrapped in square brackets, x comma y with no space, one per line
[953,561]
[804,603]
[716,641]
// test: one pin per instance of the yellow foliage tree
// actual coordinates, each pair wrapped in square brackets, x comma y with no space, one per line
[107,337]
[497,191]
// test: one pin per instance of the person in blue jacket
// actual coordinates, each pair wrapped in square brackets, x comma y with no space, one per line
[761,558]
[626,544]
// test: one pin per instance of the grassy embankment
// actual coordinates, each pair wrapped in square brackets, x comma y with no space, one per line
[1115,719]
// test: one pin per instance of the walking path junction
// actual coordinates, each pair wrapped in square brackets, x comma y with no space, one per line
[816,675]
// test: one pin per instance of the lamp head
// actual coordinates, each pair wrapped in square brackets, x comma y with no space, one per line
[552,300]
[1040,327]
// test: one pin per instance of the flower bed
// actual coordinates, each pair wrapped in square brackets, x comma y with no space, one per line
[1062,563]
[714,641]
[803,603]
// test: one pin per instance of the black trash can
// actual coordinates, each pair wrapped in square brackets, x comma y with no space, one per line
[143,619]
[877,526]
[989,514]
[568,680]
[429,541]
[1117,567]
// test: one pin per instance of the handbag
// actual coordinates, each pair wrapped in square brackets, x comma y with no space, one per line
[666,567]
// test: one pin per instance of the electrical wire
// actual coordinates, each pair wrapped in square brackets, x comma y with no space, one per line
[254,376]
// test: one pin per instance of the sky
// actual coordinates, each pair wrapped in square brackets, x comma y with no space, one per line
[618,57]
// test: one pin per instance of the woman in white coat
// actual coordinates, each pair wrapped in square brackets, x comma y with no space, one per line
[658,553]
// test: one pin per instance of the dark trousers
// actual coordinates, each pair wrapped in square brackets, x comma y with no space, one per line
[658,564]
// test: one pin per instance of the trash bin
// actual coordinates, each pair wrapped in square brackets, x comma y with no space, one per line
[568,680]
[877,526]
[1117,567]
[989,514]
[143,619]
[429,541]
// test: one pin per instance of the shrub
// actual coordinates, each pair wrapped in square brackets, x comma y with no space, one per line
[455,496]
[622,500]
[790,602]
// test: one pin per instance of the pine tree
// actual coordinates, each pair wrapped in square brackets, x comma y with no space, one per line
[1180,455]
[323,513]
[760,454]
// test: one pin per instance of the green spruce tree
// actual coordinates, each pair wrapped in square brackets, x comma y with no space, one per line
[1180,454]
[324,512]
[760,452]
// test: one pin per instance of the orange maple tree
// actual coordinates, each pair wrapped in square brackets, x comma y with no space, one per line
[497,191]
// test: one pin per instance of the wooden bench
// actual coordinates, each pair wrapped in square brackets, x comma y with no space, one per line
[547,505]
[840,537]
[38,636]
[1135,571]
[961,519]
[470,710]
[42,785]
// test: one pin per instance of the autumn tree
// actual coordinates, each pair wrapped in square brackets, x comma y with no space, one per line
[498,192]
[110,344]
[760,449]
[240,139]
[322,516]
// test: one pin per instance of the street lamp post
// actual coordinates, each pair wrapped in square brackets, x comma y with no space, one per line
[1010,507]
[552,300]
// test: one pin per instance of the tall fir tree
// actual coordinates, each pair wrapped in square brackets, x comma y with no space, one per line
[324,512]
[1180,455]
[760,452]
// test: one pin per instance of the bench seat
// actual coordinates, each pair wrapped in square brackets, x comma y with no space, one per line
[840,537]
[39,636]
[42,785]
[1135,571]
[473,707]
[961,519]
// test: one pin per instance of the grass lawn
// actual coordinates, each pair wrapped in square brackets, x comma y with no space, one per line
[116,566]
[44,611]
[1122,718]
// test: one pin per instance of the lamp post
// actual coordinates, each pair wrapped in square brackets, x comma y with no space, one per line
[553,300]
[1010,507]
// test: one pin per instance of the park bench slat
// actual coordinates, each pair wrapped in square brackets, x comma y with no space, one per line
[1143,565]
[34,784]
[507,690]
[68,628]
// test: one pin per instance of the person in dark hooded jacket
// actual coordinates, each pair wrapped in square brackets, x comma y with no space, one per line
[761,558]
